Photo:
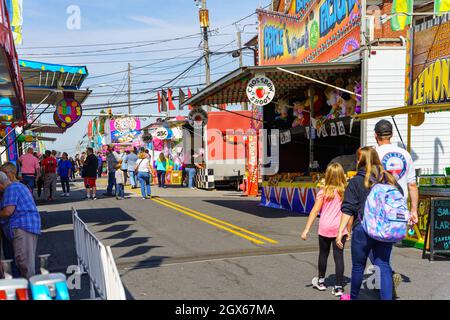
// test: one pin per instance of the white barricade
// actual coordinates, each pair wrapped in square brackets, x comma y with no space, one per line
[98,261]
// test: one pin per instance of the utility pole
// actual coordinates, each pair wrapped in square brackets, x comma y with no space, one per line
[241,57]
[129,88]
[204,24]
[239,44]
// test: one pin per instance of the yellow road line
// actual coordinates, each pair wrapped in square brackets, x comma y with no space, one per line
[256,241]
[220,221]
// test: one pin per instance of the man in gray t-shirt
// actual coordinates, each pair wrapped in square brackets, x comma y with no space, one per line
[131,162]
[112,158]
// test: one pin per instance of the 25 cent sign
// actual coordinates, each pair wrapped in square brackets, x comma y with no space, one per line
[260,90]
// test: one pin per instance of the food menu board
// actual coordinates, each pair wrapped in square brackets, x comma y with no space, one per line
[438,233]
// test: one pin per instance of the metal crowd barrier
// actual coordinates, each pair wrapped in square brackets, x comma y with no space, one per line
[98,262]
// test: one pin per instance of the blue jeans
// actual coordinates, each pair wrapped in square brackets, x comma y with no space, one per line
[191,174]
[65,184]
[133,178]
[144,180]
[29,181]
[111,183]
[120,190]
[362,244]
[161,178]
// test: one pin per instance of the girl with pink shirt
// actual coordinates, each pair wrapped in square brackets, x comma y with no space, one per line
[328,204]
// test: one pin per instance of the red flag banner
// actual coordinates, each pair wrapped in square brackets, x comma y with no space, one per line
[170,96]
[189,96]
[159,102]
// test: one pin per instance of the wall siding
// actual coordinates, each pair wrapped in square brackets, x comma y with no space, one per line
[386,81]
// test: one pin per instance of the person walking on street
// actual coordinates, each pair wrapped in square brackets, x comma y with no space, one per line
[370,172]
[65,171]
[112,161]
[30,169]
[100,165]
[144,173]
[328,204]
[132,158]
[161,167]
[74,169]
[50,166]
[21,224]
[398,162]
[40,178]
[124,166]
[90,174]
[120,183]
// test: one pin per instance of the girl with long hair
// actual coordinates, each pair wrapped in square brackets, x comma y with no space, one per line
[370,172]
[328,204]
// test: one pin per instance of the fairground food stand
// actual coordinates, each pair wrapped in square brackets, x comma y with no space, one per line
[427,115]
[166,137]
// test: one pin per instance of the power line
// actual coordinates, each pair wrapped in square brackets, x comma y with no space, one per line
[187,37]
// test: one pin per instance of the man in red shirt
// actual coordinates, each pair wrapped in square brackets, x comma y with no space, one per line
[50,165]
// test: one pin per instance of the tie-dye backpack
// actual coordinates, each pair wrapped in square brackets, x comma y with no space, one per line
[386,214]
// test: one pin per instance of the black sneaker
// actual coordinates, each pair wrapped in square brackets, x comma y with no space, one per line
[94,198]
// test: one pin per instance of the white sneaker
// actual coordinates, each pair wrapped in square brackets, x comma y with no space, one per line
[319,284]
[63,195]
[337,291]
[67,195]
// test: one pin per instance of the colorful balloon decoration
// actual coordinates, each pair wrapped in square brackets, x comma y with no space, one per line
[68,112]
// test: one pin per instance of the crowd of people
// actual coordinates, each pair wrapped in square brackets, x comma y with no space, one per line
[343,206]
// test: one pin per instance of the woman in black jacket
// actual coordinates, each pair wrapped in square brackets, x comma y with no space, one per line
[370,172]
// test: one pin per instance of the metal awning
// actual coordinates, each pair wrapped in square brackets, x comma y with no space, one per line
[37,95]
[47,75]
[231,89]
[46,128]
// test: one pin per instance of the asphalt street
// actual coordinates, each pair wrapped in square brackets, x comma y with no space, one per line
[193,244]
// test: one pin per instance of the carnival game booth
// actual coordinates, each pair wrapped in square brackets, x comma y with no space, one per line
[12,96]
[322,96]
[166,137]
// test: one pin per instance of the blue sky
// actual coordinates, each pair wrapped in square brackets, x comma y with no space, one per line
[118,21]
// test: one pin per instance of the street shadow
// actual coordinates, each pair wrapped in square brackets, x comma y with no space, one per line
[138,251]
[150,263]
[121,235]
[98,216]
[116,228]
[253,208]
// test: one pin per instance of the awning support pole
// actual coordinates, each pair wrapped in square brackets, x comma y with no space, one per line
[408,148]
[398,131]
[320,82]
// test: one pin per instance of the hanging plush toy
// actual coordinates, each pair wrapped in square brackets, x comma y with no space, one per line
[358,90]
[282,110]
[319,102]
[333,101]
[301,116]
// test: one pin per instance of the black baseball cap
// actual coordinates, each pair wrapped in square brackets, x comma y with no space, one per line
[383,128]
